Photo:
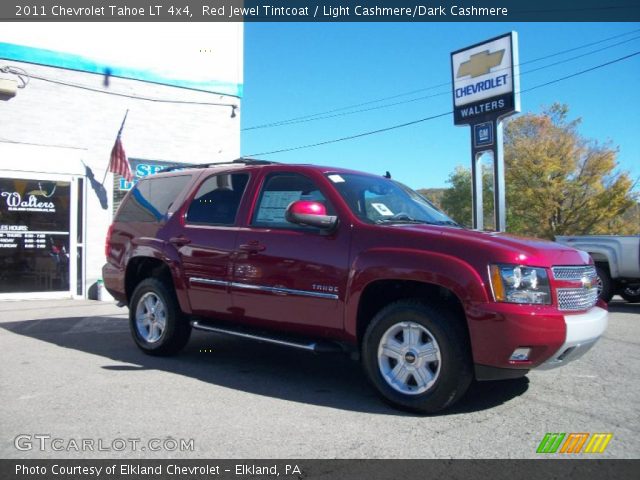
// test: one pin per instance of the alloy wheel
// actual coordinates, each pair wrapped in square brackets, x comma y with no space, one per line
[409,358]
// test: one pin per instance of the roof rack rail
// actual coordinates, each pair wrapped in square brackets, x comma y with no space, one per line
[244,161]
[171,168]
[254,161]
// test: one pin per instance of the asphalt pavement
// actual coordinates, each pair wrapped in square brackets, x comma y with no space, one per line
[73,385]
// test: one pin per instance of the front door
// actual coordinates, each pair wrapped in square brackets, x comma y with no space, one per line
[288,274]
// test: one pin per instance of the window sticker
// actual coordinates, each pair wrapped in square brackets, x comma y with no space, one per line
[335,178]
[382,209]
[274,204]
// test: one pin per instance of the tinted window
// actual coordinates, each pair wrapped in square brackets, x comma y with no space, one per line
[150,199]
[278,191]
[218,199]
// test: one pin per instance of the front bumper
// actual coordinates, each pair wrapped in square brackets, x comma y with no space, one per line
[583,331]
[554,338]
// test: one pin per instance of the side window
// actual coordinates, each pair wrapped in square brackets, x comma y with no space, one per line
[278,191]
[218,199]
[151,198]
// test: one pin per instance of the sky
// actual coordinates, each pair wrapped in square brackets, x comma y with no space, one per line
[297,70]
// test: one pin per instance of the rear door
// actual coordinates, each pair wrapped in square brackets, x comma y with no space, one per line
[207,241]
[285,274]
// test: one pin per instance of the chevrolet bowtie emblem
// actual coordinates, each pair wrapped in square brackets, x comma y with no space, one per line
[586,283]
[480,64]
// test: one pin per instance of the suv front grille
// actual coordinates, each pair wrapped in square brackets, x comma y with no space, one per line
[574,273]
[577,298]
[580,298]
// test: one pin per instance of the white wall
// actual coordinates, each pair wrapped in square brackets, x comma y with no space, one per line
[52,128]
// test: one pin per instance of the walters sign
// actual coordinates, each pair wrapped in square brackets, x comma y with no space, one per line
[15,203]
[485,80]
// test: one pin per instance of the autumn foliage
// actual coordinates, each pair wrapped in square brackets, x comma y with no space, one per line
[558,182]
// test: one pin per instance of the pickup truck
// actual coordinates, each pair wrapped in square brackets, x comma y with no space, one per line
[332,260]
[617,260]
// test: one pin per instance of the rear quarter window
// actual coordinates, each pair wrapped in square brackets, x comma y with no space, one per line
[151,198]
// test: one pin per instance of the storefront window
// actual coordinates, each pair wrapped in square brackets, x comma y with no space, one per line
[34,235]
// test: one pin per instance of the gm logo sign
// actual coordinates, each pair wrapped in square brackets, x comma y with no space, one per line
[483,134]
[574,443]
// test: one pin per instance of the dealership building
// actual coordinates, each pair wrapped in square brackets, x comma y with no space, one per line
[64,92]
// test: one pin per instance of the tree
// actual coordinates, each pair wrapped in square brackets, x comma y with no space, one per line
[456,201]
[557,182]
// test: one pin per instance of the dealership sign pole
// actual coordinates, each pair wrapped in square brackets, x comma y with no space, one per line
[485,90]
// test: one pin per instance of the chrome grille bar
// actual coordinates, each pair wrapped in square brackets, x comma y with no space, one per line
[574,273]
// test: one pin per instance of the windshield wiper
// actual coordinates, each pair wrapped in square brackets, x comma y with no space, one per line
[402,220]
[414,221]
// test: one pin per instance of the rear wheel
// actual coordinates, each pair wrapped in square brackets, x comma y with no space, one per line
[605,289]
[417,356]
[631,294]
[157,325]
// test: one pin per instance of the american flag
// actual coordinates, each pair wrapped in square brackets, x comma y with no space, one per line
[119,163]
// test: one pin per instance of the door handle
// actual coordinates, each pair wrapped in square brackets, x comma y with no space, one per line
[179,241]
[252,247]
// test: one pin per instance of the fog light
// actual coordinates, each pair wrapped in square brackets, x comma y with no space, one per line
[520,354]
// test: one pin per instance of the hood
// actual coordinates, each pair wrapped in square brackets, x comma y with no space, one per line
[495,246]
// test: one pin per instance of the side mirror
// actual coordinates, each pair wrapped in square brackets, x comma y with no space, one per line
[310,213]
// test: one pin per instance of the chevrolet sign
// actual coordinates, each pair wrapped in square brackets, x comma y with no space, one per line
[485,80]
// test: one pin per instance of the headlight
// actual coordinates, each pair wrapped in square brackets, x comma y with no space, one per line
[518,284]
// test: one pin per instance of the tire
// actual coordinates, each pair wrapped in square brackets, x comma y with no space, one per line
[157,324]
[631,295]
[399,374]
[605,288]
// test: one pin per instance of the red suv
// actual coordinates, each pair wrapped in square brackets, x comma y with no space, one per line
[328,259]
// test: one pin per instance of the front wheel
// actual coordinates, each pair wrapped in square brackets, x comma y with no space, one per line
[417,356]
[157,324]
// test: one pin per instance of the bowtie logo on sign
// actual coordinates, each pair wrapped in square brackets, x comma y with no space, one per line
[480,64]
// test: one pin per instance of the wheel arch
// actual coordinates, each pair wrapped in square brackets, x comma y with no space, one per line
[434,278]
[380,293]
[142,267]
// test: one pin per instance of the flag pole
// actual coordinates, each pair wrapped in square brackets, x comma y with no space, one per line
[119,133]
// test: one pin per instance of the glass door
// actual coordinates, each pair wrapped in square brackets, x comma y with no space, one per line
[38,236]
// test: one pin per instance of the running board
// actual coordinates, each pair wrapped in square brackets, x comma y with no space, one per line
[312,346]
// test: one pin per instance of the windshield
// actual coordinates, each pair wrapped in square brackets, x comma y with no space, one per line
[381,200]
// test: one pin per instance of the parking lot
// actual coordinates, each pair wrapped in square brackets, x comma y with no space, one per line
[71,376]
